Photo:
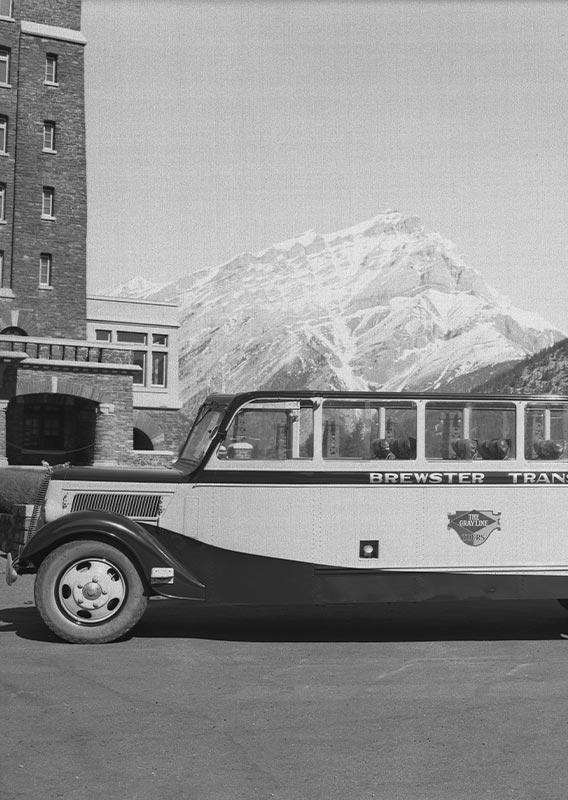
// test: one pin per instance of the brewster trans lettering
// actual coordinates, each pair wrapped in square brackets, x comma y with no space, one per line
[280,498]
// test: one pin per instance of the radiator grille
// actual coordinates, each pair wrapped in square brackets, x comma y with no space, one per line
[135,506]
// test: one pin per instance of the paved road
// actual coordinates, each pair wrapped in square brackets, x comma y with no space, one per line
[404,703]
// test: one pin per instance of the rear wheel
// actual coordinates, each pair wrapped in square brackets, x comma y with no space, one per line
[89,592]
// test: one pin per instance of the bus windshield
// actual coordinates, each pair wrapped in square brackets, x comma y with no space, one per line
[202,432]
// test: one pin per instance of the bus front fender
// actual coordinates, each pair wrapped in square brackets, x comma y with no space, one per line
[146,551]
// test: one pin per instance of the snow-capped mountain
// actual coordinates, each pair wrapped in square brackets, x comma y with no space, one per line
[382,305]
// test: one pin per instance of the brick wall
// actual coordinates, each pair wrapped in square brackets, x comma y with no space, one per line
[59,310]
[59,13]
[10,39]
[162,426]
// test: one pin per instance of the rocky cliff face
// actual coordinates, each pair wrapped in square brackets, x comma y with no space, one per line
[544,373]
[382,305]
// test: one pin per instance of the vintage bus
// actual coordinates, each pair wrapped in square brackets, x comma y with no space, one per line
[308,497]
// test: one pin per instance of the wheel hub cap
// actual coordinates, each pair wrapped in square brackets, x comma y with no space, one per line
[92,590]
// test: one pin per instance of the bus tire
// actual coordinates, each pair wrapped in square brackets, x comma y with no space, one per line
[89,592]
[563,603]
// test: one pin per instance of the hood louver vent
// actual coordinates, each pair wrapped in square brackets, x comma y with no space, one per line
[134,506]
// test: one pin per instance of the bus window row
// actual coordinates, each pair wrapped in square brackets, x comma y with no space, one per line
[372,430]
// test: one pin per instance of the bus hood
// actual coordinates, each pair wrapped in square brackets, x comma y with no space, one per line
[119,474]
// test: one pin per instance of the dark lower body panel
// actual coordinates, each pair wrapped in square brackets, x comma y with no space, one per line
[233,578]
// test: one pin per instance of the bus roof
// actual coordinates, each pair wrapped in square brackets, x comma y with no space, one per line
[306,394]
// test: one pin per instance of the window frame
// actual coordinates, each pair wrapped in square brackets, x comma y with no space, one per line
[48,196]
[48,125]
[3,135]
[46,266]
[139,378]
[547,410]
[148,347]
[164,356]
[51,68]
[3,198]
[11,9]
[466,409]
[122,338]
[381,409]
[243,457]
[5,58]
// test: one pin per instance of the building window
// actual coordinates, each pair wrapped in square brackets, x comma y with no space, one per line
[153,362]
[3,136]
[6,8]
[103,335]
[48,203]
[4,67]
[131,337]
[2,202]
[45,265]
[159,363]
[139,359]
[51,69]
[49,136]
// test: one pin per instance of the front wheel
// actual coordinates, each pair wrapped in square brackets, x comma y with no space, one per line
[89,592]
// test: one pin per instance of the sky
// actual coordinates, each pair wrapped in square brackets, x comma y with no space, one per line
[225,126]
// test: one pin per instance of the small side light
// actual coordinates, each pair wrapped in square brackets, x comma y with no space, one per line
[369,548]
[162,575]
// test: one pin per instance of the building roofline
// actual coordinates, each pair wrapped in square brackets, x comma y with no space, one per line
[138,301]
[52,32]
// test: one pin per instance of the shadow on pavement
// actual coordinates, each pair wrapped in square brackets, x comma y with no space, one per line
[25,622]
[429,621]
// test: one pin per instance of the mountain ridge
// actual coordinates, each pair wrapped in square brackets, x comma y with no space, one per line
[383,304]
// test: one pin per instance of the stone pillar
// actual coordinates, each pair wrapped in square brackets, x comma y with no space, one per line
[3,433]
[106,436]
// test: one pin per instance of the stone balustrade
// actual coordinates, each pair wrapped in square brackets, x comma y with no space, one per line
[77,350]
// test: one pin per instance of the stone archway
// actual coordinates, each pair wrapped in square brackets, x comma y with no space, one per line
[149,432]
[141,440]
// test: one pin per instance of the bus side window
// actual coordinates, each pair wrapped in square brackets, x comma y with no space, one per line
[360,431]
[546,432]
[268,434]
[470,431]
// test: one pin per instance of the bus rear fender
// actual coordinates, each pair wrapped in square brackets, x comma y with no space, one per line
[146,552]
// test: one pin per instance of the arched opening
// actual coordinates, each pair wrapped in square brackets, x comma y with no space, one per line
[13,330]
[50,427]
[141,440]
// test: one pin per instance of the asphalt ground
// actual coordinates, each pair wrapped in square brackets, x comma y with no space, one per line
[408,702]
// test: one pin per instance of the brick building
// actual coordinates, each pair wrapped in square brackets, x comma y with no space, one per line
[65,394]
